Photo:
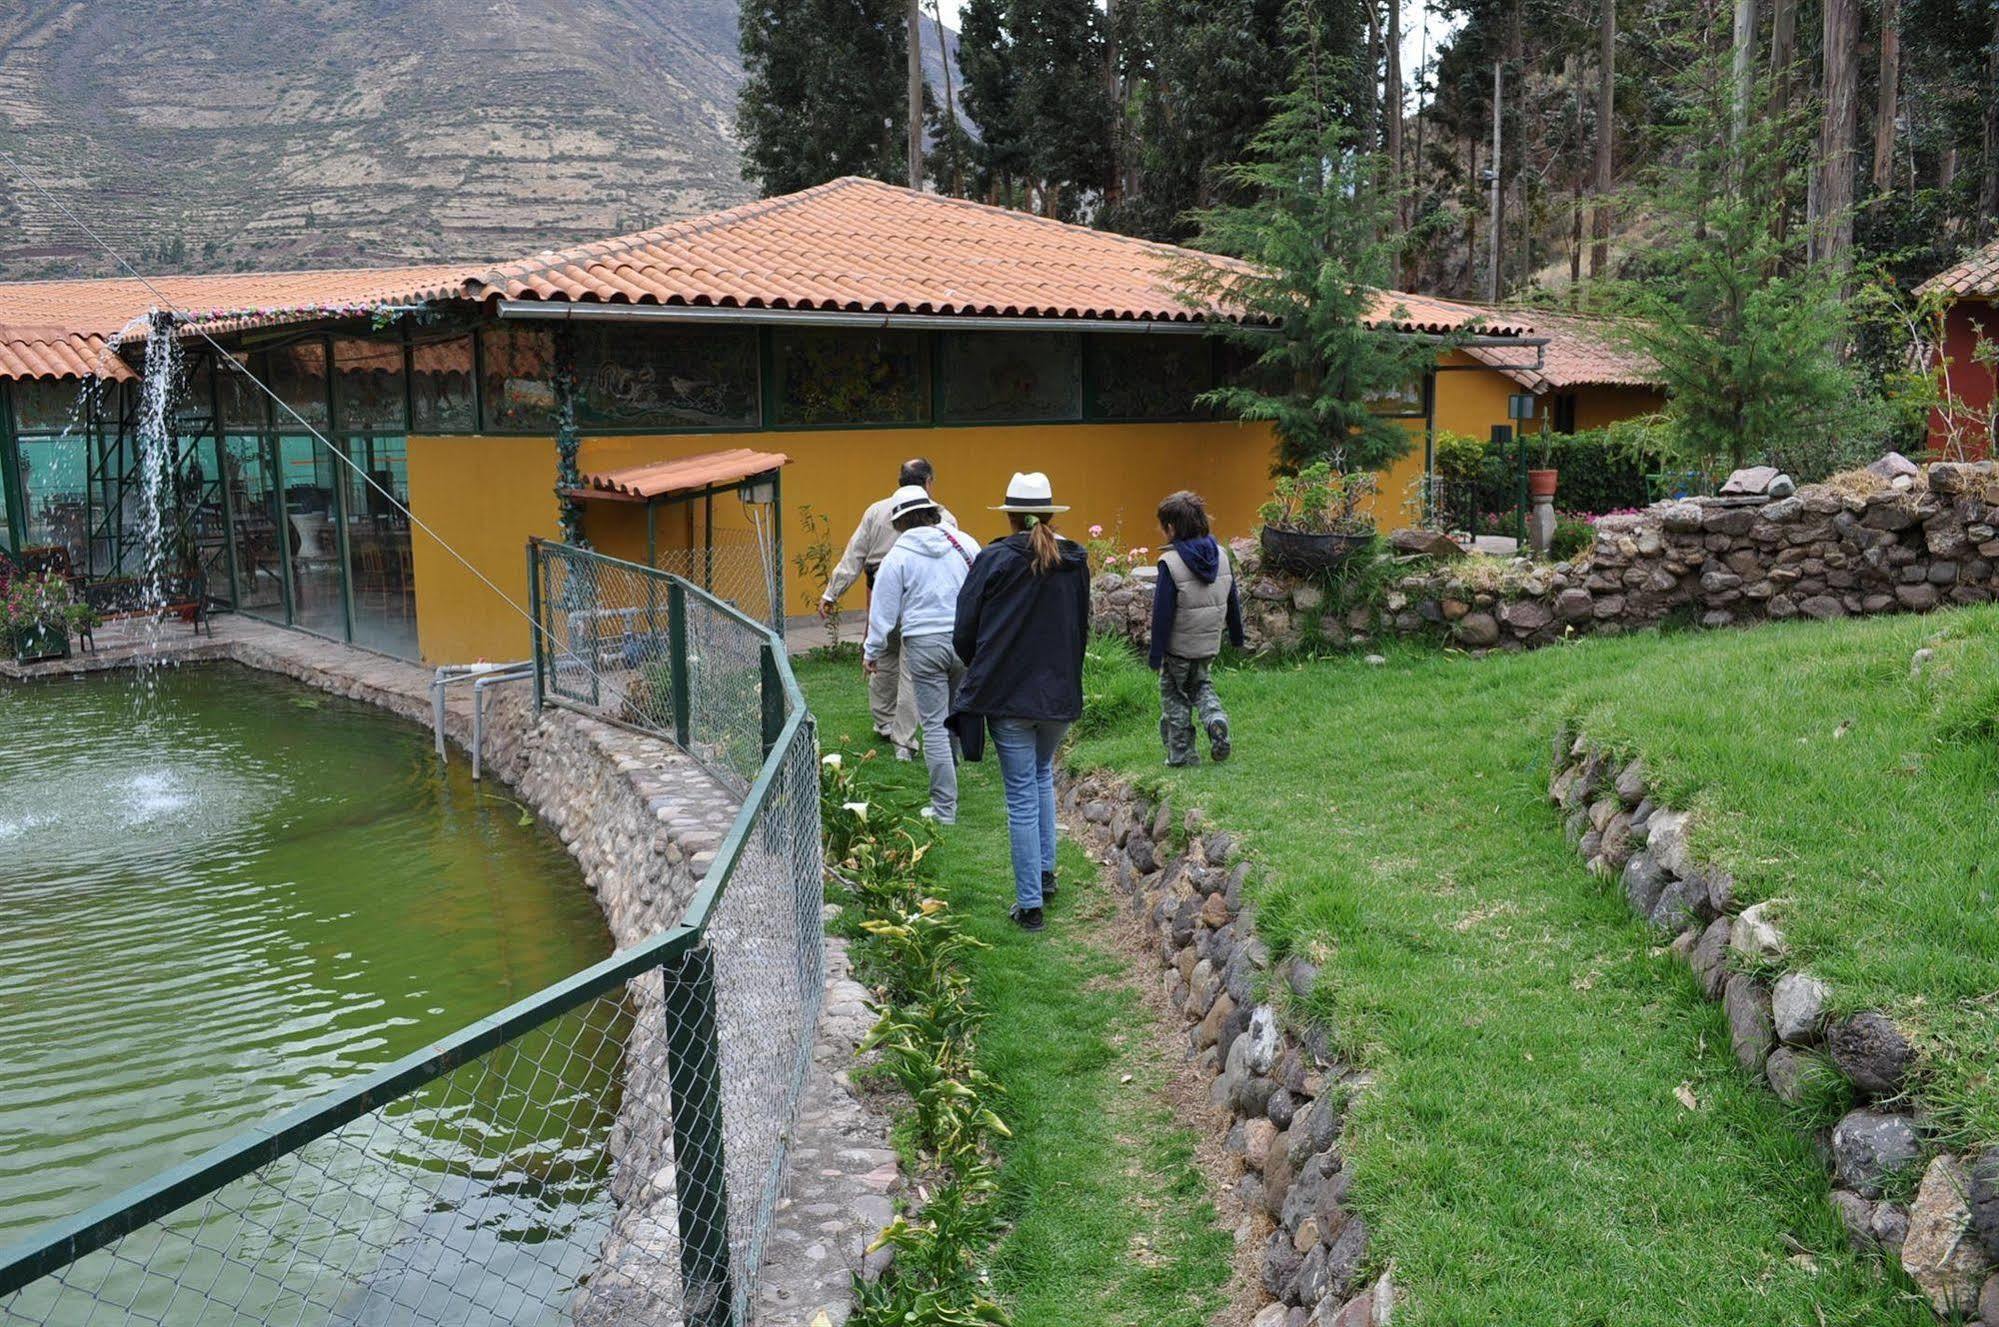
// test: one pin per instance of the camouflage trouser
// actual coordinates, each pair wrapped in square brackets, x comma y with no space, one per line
[1185,693]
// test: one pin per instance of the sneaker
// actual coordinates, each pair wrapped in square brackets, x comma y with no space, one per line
[1028,919]
[1218,740]
[903,753]
[1047,885]
[1183,764]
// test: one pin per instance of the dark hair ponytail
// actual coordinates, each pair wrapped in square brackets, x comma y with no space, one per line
[1044,552]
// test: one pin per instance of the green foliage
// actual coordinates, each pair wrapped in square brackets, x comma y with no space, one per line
[1034,84]
[1602,469]
[1319,235]
[911,951]
[1747,334]
[1114,693]
[1320,500]
[1571,537]
[823,93]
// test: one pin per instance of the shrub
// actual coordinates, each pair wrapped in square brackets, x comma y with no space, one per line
[1571,537]
[1602,469]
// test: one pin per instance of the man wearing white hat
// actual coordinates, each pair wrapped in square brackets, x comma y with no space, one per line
[889,696]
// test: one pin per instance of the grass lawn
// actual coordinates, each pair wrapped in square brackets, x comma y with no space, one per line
[1109,1223]
[1524,1157]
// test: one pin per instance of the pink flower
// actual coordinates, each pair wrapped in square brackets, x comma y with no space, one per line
[1096,532]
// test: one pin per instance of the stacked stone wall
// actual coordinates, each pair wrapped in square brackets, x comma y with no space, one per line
[1907,539]
[1947,1237]
[1273,1071]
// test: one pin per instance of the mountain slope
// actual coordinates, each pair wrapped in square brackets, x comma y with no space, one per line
[219,134]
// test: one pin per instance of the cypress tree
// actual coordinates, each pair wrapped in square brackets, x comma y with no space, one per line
[823,94]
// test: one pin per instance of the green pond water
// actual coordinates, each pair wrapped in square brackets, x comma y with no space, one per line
[232,894]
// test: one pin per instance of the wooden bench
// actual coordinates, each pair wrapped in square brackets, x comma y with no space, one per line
[126,598]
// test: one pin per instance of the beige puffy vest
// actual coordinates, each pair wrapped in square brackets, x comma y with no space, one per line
[1202,612]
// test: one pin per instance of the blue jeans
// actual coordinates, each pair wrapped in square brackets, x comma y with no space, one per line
[1027,769]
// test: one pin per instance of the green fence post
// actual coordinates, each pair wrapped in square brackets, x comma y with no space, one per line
[534,614]
[694,1084]
[676,630]
[773,697]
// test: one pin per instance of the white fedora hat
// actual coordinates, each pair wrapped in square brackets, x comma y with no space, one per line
[1031,494]
[909,498]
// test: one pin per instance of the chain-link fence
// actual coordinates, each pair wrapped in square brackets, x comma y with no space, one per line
[654,652]
[738,567]
[609,1151]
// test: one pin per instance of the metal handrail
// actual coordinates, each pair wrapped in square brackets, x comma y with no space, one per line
[63,1242]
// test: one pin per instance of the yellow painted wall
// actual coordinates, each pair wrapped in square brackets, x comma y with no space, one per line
[486,495]
[1470,401]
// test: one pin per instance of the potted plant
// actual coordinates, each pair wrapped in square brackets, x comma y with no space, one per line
[37,615]
[1541,480]
[1313,521]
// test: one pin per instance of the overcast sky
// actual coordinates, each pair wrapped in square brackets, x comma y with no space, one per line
[1415,19]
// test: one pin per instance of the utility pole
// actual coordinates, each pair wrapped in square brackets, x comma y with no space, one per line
[915,94]
[1492,173]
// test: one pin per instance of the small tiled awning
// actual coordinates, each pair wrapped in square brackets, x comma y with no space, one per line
[686,474]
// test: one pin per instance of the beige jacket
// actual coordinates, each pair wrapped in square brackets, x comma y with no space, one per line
[872,540]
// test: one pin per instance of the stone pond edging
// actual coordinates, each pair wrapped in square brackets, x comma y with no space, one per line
[1895,538]
[1947,1238]
[1271,1069]
[643,822]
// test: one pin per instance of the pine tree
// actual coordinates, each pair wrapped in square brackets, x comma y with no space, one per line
[823,94]
[1743,331]
[1320,243]
[990,97]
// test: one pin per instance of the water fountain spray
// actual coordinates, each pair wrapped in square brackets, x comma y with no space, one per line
[159,390]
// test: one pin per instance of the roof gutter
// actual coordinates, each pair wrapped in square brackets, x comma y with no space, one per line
[593,311]
[584,311]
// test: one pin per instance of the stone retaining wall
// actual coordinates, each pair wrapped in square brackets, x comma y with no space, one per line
[1947,1239]
[1274,1072]
[1893,539]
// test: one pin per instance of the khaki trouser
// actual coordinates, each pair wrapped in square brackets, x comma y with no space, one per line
[890,699]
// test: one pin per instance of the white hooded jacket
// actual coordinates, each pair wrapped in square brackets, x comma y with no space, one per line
[917,586]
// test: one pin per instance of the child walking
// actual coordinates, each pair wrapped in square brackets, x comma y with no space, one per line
[1194,603]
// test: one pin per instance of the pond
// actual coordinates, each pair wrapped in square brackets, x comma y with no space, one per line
[244,893]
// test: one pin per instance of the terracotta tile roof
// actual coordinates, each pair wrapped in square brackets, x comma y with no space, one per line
[682,475]
[1579,353]
[59,329]
[850,245]
[860,245]
[1975,274]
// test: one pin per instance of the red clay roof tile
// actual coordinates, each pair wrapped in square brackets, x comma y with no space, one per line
[851,245]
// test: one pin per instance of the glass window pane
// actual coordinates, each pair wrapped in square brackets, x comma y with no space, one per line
[378,545]
[443,387]
[519,397]
[243,403]
[45,405]
[1149,377]
[368,387]
[54,495]
[254,504]
[834,376]
[667,377]
[307,473]
[991,376]
[298,376]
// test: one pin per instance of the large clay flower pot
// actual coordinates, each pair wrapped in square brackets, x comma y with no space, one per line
[1304,554]
[1541,483]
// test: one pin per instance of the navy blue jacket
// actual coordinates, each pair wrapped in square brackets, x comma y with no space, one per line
[1203,557]
[1022,636]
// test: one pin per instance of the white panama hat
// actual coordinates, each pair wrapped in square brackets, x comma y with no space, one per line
[1030,494]
[909,498]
